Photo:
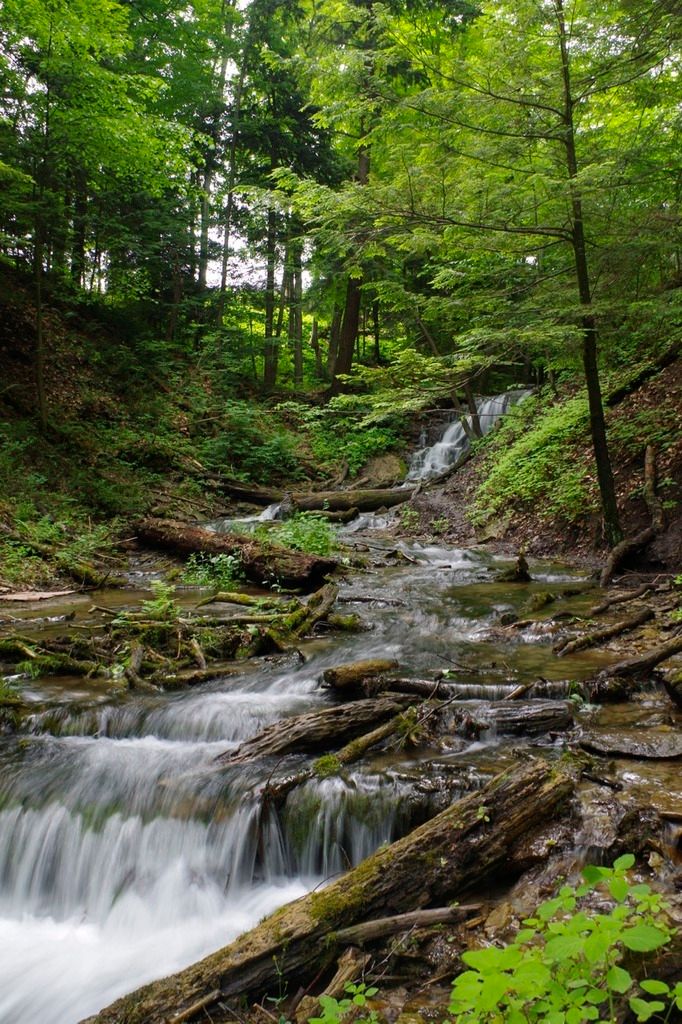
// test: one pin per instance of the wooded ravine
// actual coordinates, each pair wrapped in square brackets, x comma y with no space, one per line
[340,512]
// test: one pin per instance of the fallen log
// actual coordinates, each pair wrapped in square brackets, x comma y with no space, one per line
[368,500]
[262,562]
[331,764]
[370,931]
[315,730]
[606,633]
[433,864]
[530,717]
[354,674]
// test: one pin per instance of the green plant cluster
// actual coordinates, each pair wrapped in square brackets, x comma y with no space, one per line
[336,1010]
[220,571]
[566,965]
[303,532]
[252,444]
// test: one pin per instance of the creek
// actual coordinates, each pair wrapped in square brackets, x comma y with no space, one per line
[126,854]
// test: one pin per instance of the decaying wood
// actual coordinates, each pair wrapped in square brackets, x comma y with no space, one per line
[530,717]
[319,501]
[354,674]
[316,730]
[249,601]
[630,595]
[344,516]
[630,545]
[261,562]
[349,969]
[276,791]
[598,636]
[431,865]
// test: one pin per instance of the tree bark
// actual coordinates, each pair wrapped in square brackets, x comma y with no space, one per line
[271,349]
[261,562]
[432,865]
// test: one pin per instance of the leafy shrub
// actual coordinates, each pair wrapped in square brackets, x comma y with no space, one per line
[220,571]
[249,445]
[162,607]
[564,966]
[303,532]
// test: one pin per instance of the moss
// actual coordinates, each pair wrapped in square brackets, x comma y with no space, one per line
[326,766]
[346,623]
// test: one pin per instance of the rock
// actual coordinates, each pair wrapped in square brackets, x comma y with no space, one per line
[384,471]
[658,746]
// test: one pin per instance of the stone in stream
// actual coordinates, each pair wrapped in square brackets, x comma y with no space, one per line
[658,746]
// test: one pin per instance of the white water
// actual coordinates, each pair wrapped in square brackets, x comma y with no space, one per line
[435,459]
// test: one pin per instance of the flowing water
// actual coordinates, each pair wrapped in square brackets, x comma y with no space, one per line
[125,853]
[431,460]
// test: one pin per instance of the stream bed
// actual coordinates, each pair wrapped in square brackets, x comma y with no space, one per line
[126,853]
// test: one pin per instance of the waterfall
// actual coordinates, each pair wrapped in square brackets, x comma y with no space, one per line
[428,462]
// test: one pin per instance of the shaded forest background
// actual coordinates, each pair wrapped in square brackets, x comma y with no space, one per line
[263,240]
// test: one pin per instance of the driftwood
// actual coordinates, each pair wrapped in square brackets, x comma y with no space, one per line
[261,562]
[531,717]
[629,545]
[316,730]
[433,864]
[606,633]
[349,969]
[320,501]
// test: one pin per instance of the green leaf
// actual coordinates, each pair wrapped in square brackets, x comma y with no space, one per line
[655,988]
[645,1009]
[619,888]
[618,979]
[625,862]
[644,937]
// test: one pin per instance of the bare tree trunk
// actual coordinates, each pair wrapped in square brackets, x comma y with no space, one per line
[296,311]
[351,313]
[376,328]
[334,335]
[607,490]
[271,351]
[320,372]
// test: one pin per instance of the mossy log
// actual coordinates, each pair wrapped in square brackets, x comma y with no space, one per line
[431,866]
[353,675]
[598,636]
[331,764]
[262,562]
[316,730]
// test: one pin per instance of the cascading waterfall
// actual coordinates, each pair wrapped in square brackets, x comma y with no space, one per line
[127,853]
[429,461]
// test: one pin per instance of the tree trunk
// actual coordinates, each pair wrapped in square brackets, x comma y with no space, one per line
[271,351]
[432,865]
[334,335]
[261,562]
[607,490]
[80,212]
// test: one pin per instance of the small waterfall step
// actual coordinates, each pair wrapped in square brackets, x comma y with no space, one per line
[431,461]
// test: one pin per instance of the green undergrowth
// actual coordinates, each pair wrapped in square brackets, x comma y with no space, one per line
[535,458]
[303,532]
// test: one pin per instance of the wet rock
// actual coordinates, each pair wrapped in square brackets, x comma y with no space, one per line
[658,746]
